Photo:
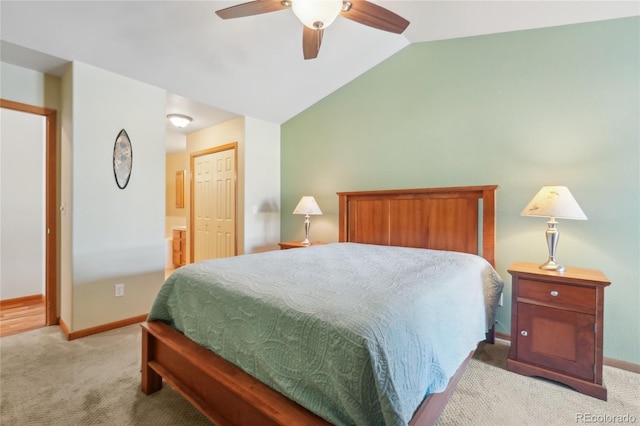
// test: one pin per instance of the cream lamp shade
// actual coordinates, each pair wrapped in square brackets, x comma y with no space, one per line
[553,202]
[307,206]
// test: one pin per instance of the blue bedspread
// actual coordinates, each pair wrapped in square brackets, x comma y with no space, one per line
[356,333]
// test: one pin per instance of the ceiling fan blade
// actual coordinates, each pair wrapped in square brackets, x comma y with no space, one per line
[375,16]
[256,7]
[311,40]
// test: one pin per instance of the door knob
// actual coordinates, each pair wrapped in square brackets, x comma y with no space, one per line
[524,333]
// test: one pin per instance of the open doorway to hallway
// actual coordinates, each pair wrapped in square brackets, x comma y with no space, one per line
[28,217]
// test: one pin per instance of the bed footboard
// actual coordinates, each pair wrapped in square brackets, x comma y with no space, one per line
[227,395]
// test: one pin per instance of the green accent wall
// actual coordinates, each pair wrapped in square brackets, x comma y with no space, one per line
[520,109]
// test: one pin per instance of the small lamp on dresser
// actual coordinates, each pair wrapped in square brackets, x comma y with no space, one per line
[307,206]
[553,202]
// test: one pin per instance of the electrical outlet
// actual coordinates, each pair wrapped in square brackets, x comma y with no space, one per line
[501,301]
[119,290]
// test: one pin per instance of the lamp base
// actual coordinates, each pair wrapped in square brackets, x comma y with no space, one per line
[307,225]
[552,265]
[552,235]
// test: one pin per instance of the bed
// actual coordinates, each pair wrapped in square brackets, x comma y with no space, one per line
[349,308]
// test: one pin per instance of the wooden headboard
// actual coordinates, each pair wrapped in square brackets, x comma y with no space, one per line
[456,218]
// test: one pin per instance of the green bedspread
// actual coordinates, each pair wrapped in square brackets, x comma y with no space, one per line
[356,333]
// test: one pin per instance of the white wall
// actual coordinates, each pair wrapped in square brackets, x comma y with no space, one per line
[27,86]
[117,235]
[262,185]
[65,163]
[22,84]
[22,204]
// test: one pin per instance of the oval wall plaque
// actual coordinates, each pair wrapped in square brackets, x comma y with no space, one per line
[122,159]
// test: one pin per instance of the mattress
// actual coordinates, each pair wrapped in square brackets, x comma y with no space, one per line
[358,334]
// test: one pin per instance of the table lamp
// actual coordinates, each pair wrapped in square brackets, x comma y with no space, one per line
[307,206]
[553,202]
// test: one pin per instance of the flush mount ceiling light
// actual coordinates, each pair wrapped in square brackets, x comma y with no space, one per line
[316,15]
[179,120]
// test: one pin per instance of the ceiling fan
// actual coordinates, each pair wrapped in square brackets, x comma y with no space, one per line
[316,15]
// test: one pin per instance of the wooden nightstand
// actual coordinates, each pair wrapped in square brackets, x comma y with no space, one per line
[556,326]
[296,244]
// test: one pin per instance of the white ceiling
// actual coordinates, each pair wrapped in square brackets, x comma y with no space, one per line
[218,69]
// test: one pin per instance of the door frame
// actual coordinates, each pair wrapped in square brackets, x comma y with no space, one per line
[226,147]
[51,194]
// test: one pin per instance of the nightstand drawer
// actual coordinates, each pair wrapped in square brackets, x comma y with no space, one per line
[549,292]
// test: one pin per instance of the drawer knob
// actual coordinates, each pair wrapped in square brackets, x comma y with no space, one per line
[554,293]
[524,333]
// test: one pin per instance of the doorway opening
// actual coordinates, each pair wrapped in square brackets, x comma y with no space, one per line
[50,203]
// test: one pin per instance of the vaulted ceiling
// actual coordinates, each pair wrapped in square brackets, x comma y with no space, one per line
[217,69]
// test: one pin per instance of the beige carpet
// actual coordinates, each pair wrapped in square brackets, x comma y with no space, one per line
[46,380]
[488,394]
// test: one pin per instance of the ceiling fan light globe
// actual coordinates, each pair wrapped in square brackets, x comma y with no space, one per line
[316,14]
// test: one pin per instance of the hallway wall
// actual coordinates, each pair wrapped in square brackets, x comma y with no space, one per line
[22,204]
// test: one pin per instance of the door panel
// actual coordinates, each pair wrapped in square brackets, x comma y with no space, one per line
[556,338]
[203,175]
[214,205]
[224,200]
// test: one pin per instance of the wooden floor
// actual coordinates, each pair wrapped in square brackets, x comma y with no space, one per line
[21,315]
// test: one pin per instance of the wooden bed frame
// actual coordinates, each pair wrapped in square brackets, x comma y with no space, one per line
[456,218]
